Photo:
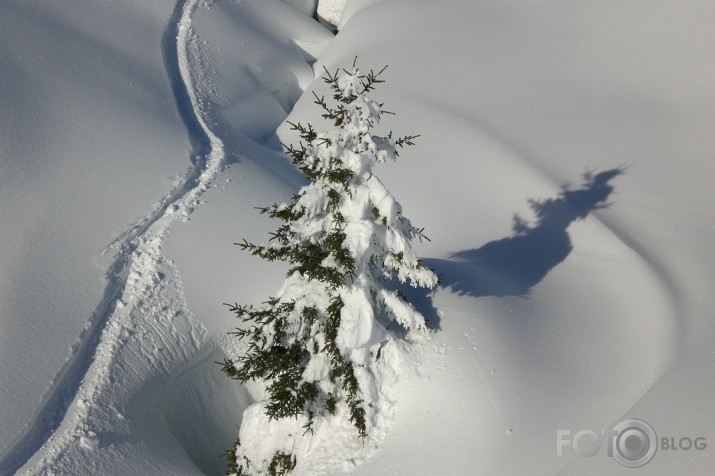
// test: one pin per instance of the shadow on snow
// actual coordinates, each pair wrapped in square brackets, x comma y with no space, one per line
[512,266]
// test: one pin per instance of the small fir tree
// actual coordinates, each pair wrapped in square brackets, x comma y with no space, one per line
[344,236]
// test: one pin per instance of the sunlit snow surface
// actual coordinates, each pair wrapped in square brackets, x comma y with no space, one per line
[137,138]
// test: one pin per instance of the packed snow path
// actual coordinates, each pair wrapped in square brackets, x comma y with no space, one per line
[142,285]
[141,390]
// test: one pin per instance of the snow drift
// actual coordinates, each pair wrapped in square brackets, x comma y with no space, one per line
[137,138]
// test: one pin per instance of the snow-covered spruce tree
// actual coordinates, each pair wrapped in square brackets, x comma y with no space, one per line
[344,236]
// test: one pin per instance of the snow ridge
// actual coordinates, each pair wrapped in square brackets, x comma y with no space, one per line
[142,308]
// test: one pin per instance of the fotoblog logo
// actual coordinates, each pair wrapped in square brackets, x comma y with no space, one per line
[632,443]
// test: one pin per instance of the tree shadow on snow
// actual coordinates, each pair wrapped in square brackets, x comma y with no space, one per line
[512,266]
[420,298]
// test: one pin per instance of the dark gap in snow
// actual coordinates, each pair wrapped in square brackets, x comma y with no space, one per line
[310,7]
[329,26]
[512,266]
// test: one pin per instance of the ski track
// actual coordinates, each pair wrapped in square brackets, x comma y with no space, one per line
[140,281]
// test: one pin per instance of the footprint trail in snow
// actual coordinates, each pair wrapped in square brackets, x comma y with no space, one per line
[142,316]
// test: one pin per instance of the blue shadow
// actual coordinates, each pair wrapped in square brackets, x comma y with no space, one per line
[512,266]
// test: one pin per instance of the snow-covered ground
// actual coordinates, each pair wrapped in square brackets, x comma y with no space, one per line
[136,138]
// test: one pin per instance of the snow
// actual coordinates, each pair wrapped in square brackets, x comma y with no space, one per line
[331,11]
[137,137]
[73,176]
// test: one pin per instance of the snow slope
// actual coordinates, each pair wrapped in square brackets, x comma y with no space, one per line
[137,137]
[141,329]
[512,103]
[91,139]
